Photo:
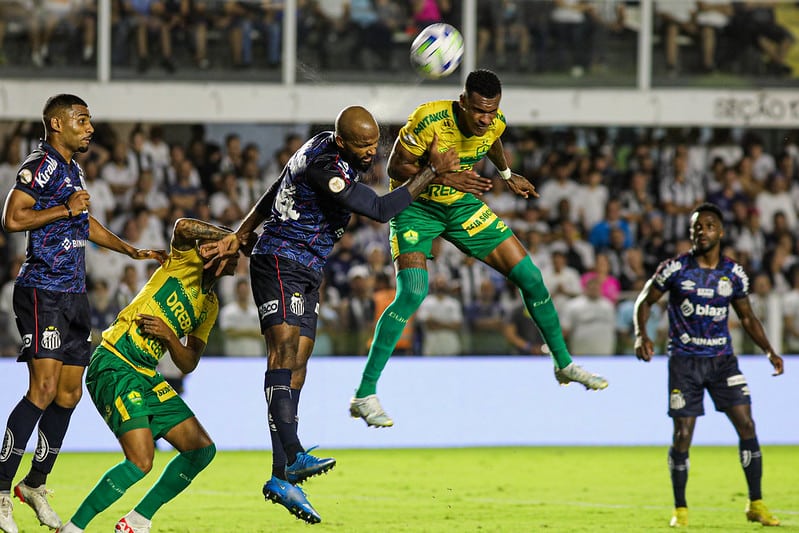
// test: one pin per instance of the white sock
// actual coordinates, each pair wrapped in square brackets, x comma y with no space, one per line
[137,519]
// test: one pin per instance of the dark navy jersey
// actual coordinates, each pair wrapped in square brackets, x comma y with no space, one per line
[699,303]
[55,258]
[307,216]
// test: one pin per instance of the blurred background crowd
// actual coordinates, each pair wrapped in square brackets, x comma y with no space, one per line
[614,203]
[539,42]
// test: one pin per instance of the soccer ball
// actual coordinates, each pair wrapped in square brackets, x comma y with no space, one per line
[437,51]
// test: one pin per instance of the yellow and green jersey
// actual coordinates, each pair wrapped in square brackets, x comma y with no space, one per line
[441,117]
[174,294]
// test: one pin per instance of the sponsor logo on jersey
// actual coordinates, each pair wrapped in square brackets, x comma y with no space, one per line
[739,271]
[176,306]
[665,273]
[47,172]
[269,308]
[724,287]
[479,221]
[702,341]
[25,176]
[42,447]
[705,293]
[297,304]
[180,311]
[69,244]
[688,308]
[676,399]
[687,285]
[51,338]
[411,237]
[336,185]
[430,119]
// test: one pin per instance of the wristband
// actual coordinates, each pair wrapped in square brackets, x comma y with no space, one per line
[69,211]
[433,168]
[504,174]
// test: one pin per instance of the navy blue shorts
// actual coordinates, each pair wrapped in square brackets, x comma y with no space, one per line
[54,325]
[689,377]
[285,292]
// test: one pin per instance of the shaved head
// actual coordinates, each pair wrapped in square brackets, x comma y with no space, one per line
[355,121]
[357,135]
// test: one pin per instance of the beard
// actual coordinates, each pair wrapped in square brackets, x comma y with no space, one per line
[83,149]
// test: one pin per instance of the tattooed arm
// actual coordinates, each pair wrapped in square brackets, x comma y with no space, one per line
[190,230]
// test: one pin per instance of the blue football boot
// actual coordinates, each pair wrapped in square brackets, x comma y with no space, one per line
[292,498]
[306,465]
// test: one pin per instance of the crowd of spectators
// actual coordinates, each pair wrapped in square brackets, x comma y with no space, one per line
[568,36]
[614,204]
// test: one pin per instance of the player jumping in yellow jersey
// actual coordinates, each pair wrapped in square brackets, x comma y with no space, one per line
[135,401]
[450,209]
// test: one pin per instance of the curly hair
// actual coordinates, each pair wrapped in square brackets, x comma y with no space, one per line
[483,82]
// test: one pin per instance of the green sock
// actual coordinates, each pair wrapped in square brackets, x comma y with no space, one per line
[527,277]
[109,489]
[178,474]
[411,290]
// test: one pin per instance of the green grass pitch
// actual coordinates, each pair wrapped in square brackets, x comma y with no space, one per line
[514,490]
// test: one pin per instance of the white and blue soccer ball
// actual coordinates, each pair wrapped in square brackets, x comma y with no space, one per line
[437,51]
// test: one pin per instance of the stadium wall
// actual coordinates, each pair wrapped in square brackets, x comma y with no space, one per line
[452,402]
[275,103]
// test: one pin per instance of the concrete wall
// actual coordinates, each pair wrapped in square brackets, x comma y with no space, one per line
[444,402]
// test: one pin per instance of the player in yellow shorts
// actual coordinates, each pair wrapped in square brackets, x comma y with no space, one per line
[472,125]
[135,400]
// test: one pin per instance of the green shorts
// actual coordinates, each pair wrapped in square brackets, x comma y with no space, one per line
[468,223]
[122,394]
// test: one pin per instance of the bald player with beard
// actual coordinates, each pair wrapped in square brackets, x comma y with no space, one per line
[303,215]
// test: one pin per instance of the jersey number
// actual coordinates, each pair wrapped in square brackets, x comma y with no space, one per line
[284,203]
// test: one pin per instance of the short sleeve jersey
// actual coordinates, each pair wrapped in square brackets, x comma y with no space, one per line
[55,258]
[441,117]
[699,304]
[174,293]
[307,219]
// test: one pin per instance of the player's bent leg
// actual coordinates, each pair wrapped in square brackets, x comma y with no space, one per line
[292,498]
[527,277]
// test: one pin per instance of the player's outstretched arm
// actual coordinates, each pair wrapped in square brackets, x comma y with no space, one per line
[644,347]
[188,231]
[185,357]
[403,165]
[516,182]
[101,235]
[754,328]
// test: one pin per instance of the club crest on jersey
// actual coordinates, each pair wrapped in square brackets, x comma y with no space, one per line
[25,176]
[297,304]
[336,185]
[724,287]
[51,338]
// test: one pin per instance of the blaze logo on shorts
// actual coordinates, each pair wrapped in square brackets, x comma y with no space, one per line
[676,399]
[411,237]
[51,338]
[297,305]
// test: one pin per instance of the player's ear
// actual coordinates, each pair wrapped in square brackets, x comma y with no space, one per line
[340,141]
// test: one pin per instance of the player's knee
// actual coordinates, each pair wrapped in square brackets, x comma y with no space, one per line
[143,462]
[527,277]
[201,457]
[411,297]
